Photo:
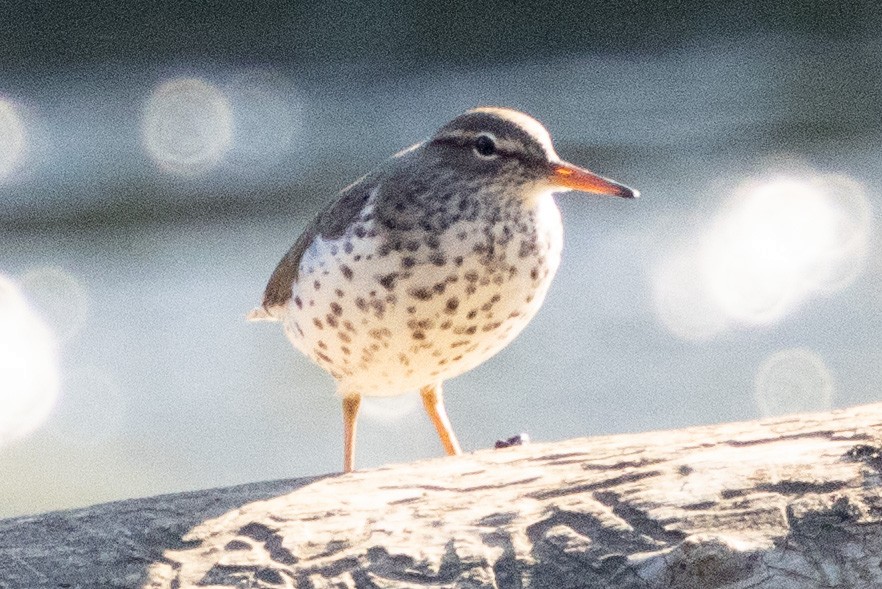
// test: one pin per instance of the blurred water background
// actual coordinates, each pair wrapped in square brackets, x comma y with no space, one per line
[157,161]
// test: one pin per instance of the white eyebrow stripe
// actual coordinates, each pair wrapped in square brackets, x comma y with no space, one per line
[527,123]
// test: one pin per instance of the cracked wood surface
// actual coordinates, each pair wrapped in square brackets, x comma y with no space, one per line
[783,503]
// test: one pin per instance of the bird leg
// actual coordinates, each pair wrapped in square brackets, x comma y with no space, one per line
[351,404]
[433,401]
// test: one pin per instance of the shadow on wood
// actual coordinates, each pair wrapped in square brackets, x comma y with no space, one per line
[783,503]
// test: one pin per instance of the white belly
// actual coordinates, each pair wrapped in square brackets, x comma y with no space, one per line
[429,322]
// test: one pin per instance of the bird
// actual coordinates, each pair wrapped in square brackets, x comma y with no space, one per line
[430,264]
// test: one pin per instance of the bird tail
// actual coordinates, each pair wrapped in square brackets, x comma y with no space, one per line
[260,314]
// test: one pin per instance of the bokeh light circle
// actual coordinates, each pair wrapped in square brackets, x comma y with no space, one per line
[793,381]
[29,373]
[774,245]
[13,141]
[187,126]
[759,256]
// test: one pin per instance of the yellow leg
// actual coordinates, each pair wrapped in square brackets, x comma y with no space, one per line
[433,401]
[350,412]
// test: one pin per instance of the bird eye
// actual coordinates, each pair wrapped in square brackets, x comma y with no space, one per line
[485,147]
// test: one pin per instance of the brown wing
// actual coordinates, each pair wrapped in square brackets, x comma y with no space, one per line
[331,223]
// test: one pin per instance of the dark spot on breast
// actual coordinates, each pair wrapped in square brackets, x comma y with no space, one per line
[322,345]
[423,294]
[317,322]
[344,336]
[338,292]
[347,247]
[388,281]
[534,273]
[471,276]
[491,326]
[298,302]
[361,303]
[336,309]
[380,334]
[452,304]
[458,261]
[346,271]
[408,262]
[324,357]
[471,329]
[528,248]
[472,314]
[419,335]
[317,284]
[438,259]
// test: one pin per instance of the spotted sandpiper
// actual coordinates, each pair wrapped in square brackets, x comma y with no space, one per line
[430,264]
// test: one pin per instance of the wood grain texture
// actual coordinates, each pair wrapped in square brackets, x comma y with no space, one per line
[784,503]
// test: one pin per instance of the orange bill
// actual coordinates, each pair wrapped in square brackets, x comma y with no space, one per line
[567,175]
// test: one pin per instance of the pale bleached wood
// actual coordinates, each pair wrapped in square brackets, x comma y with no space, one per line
[788,503]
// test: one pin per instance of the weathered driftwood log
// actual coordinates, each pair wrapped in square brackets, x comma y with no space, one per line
[784,503]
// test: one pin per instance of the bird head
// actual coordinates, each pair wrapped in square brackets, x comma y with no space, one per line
[508,148]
